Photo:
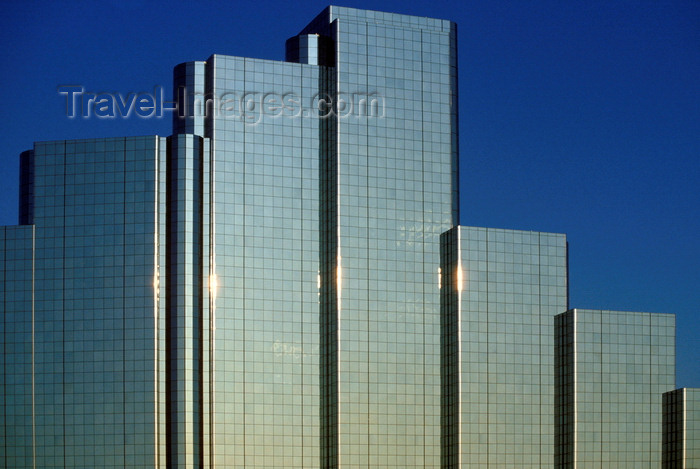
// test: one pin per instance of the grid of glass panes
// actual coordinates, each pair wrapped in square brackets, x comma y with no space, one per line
[186,305]
[513,284]
[673,423]
[396,163]
[265,255]
[624,362]
[692,427]
[16,266]
[564,409]
[449,277]
[95,210]
[681,428]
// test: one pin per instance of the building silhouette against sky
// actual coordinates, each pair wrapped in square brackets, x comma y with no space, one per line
[283,282]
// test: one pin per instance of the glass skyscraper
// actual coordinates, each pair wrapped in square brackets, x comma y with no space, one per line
[283,282]
[261,288]
[612,370]
[323,238]
[500,292]
[83,318]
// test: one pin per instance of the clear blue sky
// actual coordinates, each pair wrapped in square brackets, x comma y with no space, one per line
[581,117]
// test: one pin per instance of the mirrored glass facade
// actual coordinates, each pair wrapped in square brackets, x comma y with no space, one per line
[611,371]
[500,292]
[330,179]
[283,283]
[265,256]
[16,300]
[396,191]
[681,427]
[83,330]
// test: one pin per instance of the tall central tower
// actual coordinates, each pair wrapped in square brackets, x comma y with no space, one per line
[330,179]
[390,190]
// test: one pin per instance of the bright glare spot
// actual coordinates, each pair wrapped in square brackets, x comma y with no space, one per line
[339,276]
[213,284]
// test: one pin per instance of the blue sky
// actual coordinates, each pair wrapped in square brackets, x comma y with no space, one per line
[581,117]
